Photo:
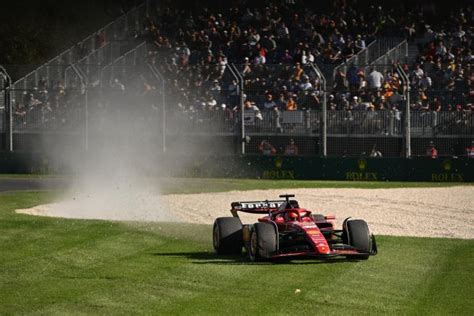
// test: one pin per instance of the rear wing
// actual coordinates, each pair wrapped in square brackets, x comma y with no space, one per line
[255,207]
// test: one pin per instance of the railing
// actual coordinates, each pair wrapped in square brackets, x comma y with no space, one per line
[123,66]
[2,103]
[373,52]
[348,123]
[3,84]
[382,46]
[398,54]
[361,58]
[93,64]
[117,33]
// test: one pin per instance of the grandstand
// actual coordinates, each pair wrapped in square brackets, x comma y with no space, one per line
[341,79]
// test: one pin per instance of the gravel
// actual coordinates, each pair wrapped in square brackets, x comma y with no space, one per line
[425,212]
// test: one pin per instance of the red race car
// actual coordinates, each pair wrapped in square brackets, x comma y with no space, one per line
[290,231]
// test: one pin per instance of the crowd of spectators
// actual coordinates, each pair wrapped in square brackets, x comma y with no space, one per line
[46,106]
[440,78]
[273,46]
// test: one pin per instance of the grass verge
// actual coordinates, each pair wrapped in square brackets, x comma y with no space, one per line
[60,266]
[194,185]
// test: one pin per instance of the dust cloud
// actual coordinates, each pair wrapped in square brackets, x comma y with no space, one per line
[114,156]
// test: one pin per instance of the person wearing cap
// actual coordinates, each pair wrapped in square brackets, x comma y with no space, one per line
[355,104]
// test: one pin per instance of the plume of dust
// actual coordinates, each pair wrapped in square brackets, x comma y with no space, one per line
[116,178]
[124,198]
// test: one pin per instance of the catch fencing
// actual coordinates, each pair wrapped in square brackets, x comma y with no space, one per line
[132,94]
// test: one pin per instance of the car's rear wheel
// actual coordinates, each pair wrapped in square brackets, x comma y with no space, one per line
[263,242]
[357,234]
[227,235]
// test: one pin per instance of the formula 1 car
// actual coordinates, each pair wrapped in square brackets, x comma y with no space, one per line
[290,231]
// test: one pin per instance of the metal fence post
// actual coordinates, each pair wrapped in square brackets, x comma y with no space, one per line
[324,139]
[434,122]
[235,72]
[391,123]
[84,90]
[406,84]
[161,79]
[8,108]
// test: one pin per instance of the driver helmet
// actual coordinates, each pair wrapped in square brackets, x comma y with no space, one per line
[293,215]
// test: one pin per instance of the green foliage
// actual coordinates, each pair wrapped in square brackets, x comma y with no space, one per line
[60,266]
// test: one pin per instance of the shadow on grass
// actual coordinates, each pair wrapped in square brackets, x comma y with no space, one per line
[242,259]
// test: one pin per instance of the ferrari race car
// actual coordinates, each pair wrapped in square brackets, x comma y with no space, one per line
[290,231]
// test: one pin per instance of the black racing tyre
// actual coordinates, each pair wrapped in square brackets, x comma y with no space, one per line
[263,242]
[358,236]
[227,235]
[319,217]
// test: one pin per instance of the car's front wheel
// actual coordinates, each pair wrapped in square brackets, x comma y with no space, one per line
[356,233]
[263,242]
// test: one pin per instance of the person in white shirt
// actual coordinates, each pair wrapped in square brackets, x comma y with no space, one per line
[375,79]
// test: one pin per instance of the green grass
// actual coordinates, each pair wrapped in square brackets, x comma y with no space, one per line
[198,185]
[192,185]
[57,266]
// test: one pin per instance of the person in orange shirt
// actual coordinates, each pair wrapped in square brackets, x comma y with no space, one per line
[291,104]
[298,73]
[387,90]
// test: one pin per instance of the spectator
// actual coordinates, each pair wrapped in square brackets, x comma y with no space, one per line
[291,149]
[331,104]
[352,78]
[266,148]
[269,103]
[281,102]
[431,151]
[291,104]
[298,72]
[470,150]
[20,114]
[416,75]
[362,82]
[359,42]
[375,80]
[251,112]
[305,85]
[340,81]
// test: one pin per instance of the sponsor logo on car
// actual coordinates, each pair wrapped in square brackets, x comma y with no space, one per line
[261,205]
